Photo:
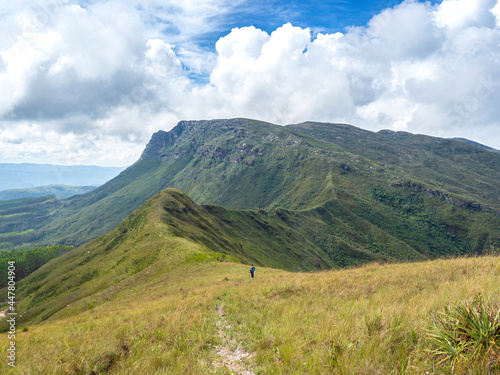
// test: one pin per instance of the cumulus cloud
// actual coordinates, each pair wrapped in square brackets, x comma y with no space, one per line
[416,67]
[87,80]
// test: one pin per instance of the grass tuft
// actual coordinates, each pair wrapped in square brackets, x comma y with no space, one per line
[467,333]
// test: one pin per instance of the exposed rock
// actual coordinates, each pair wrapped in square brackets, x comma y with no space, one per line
[212,152]
[474,206]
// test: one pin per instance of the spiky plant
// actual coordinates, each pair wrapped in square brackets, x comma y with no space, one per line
[467,333]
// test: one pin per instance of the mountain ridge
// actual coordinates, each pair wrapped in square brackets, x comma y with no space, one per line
[171,220]
[397,182]
[166,288]
[480,145]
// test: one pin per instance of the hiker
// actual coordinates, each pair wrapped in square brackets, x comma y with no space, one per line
[252,271]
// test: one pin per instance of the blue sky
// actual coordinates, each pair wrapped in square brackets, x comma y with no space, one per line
[319,16]
[324,16]
[88,82]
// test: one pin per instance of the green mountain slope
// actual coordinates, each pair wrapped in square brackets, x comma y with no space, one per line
[20,217]
[476,144]
[453,166]
[426,196]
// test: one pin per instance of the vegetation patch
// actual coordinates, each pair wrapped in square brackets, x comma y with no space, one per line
[467,334]
[14,215]
[13,234]
[28,260]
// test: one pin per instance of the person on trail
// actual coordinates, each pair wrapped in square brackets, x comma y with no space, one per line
[252,271]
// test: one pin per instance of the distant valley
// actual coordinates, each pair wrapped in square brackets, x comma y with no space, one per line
[59,191]
[26,175]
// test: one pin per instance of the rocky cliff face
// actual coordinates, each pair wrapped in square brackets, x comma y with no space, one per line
[230,139]
[158,141]
[161,140]
[187,133]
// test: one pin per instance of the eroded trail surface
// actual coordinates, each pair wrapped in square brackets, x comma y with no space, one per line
[231,352]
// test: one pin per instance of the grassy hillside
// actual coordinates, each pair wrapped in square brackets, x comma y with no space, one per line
[152,297]
[476,144]
[454,167]
[424,196]
[27,260]
[170,230]
[187,313]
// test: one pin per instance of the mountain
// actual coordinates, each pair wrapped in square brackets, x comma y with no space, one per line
[384,195]
[476,144]
[22,176]
[59,191]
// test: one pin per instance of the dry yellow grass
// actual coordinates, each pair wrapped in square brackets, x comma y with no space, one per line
[368,320]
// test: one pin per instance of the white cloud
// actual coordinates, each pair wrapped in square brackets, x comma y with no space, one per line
[74,78]
[36,141]
[417,67]
[457,15]
[274,77]
[99,41]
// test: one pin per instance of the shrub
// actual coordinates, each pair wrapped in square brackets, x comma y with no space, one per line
[467,333]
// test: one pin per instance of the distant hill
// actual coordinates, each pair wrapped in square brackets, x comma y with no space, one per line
[59,191]
[476,144]
[21,176]
[352,193]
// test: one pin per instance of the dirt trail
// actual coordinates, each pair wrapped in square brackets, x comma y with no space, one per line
[231,354]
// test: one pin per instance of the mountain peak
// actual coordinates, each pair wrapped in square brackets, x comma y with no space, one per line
[249,164]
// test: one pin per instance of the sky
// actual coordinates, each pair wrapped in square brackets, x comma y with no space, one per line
[89,82]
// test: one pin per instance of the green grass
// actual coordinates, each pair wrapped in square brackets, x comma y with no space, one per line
[13,215]
[468,332]
[171,224]
[19,217]
[13,234]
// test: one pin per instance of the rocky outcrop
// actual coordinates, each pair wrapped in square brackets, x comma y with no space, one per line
[473,206]
[212,152]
